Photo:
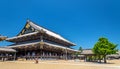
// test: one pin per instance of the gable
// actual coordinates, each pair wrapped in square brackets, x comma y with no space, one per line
[27,29]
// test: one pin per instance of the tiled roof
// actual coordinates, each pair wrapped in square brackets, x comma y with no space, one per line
[39,28]
[50,44]
[87,52]
[7,50]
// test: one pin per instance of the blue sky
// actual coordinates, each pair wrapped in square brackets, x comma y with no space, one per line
[80,21]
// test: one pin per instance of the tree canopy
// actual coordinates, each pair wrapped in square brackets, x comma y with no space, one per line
[80,49]
[104,47]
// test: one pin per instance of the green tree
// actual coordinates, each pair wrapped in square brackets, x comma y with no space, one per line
[80,49]
[103,47]
[78,53]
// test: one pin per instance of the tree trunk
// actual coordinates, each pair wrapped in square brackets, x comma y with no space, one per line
[105,59]
[99,59]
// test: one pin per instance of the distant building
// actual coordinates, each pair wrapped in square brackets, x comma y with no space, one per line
[87,54]
[114,56]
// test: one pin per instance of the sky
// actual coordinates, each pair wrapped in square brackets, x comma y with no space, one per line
[82,22]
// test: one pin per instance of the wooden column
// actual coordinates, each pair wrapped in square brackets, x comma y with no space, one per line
[25,54]
[14,56]
[66,53]
[41,46]
[43,54]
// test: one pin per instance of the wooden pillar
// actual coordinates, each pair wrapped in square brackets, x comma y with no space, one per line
[2,56]
[85,58]
[14,56]
[41,46]
[66,54]
[25,55]
[43,54]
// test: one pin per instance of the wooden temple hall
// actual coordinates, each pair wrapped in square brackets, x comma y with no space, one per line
[6,53]
[37,42]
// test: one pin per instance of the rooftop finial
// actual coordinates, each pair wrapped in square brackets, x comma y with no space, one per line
[28,20]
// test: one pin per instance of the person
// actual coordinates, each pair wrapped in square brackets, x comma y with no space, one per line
[3,59]
[36,60]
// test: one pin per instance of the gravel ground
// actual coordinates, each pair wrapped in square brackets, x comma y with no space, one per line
[59,64]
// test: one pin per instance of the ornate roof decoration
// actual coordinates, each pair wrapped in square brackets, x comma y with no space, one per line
[2,38]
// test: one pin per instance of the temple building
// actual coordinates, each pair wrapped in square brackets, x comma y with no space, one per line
[6,53]
[35,41]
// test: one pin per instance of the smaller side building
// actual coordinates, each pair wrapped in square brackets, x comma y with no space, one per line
[7,54]
[88,54]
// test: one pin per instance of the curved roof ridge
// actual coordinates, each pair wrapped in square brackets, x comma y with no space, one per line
[37,27]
